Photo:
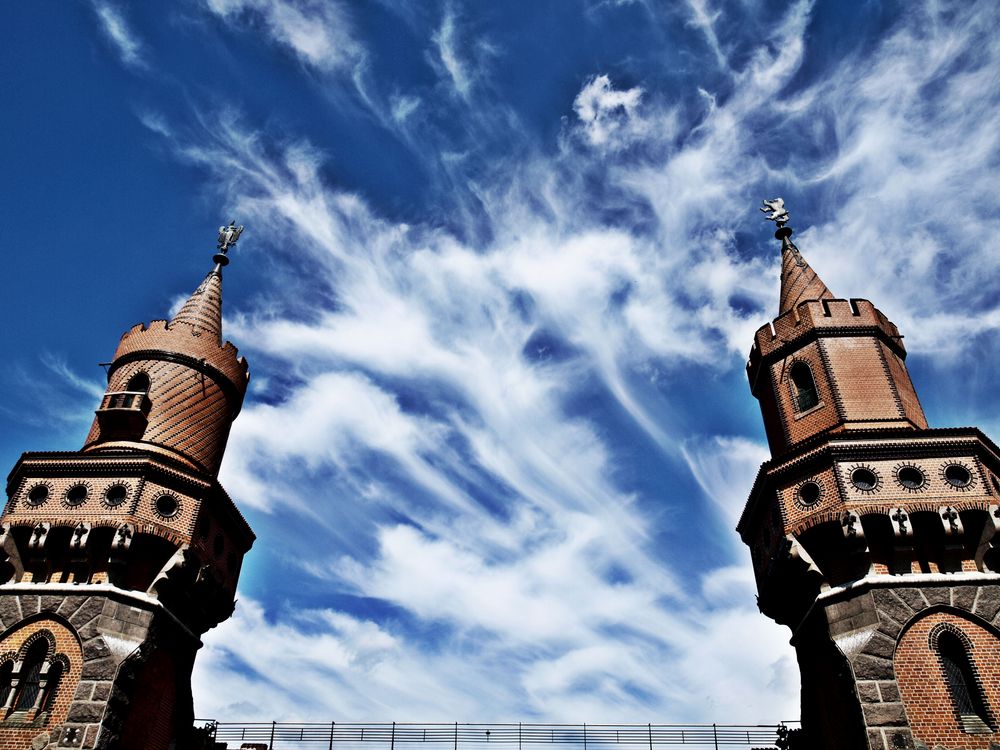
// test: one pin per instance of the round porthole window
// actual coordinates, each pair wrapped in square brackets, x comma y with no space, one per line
[957,476]
[77,495]
[38,494]
[166,506]
[809,493]
[115,495]
[910,477]
[864,479]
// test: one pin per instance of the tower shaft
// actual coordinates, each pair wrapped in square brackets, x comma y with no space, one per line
[115,559]
[873,536]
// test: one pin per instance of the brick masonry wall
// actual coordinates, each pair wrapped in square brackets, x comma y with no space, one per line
[839,494]
[858,377]
[904,387]
[864,387]
[198,521]
[158,336]
[138,508]
[925,693]
[189,412]
[800,425]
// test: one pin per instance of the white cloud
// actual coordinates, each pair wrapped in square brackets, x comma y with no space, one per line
[704,19]
[609,116]
[512,346]
[403,107]
[156,122]
[120,35]
[318,32]
[725,468]
[446,41]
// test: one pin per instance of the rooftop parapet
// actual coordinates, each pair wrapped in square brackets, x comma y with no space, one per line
[824,317]
[185,341]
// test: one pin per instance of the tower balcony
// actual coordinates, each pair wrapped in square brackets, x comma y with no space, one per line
[123,413]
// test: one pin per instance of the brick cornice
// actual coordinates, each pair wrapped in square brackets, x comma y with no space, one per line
[132,463]
[863,444]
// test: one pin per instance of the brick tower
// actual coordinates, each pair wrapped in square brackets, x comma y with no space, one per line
[872,535]
[117,557]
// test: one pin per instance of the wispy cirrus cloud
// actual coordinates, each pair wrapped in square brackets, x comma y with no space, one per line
[479,427]
[120,35]
[318,33]
[446,42]
[451,369]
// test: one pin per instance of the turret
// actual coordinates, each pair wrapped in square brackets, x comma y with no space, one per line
[174,387]
[115,559]
[826,364]
[872,536]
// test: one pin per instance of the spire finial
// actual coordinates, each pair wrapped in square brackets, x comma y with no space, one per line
[775,211]
[228,236]
[798,281]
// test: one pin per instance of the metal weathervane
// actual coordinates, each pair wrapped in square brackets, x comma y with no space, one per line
[228,236]
[776,211]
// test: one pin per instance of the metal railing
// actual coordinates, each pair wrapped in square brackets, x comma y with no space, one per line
[131,400]
[289,735]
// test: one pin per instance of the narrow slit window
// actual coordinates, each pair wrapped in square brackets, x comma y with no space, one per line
[6,676]
[51,687]
[31,677]
[803,387]
[963,686]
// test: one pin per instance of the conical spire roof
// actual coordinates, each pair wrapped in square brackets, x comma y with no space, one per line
[799,282]
[203,309]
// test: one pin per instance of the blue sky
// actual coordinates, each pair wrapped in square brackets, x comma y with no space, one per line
[501,271]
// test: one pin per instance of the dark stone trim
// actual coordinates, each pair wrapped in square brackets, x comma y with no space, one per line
[892,383]
[776,392]
[838,400]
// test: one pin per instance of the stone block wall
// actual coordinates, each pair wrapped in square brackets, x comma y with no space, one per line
[106,637]
[905,701]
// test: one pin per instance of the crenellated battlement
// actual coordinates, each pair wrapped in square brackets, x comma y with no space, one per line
[162,336]
[822,316]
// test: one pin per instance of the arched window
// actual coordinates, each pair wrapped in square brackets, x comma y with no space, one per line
[133,395]
[138,383]
[803,387]
[962,684]
[31,676]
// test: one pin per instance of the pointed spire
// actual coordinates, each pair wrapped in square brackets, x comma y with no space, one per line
[798,281]
[203,309]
